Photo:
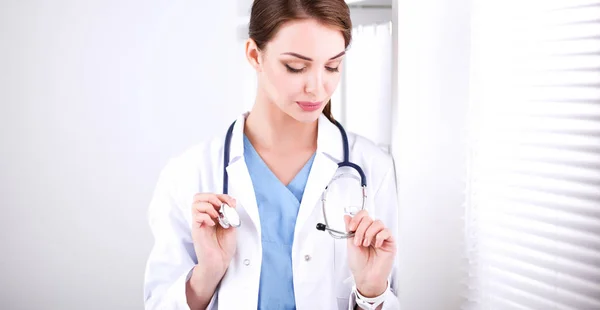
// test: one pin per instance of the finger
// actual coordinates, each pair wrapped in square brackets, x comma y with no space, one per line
[347,219]
[362,228]
[356,219]
[374,229]
[228,200]
[381,237]
[205,207]
[203,219]
[207,197]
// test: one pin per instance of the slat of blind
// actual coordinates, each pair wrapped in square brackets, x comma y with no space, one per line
[506,304]
[548,169]
[561,218]
[590,127]
[586,108]
[585,243]
[536,145]
[567,252]
[560,48]
[566,79]
[510,286]
[547,280]
[557,201]
[579,177]
[561,93]
[503,298]
[551,292]
[551,5]
[533,13]
[567,14]
[494,302]
[563,109]
[565,187]
[505,295]
[589,226]
[561,4]
[545,32]
[559,62]
[541,259]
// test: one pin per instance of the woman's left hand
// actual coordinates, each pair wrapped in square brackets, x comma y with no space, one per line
[371,253]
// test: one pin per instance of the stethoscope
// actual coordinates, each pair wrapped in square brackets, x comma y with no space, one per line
[229,217]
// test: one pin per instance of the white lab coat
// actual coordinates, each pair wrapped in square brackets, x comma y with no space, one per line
[322,279]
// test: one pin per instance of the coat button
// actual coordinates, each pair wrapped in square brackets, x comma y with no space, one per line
[246,262]
[307,257]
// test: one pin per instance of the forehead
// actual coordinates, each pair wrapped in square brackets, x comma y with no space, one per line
[308,38]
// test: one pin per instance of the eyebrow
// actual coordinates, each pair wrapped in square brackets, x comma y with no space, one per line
[310,59]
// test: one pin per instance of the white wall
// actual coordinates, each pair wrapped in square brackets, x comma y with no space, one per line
[94,97]
[367,83]
[429,147]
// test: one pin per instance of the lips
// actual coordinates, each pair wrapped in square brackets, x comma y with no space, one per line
[309,106]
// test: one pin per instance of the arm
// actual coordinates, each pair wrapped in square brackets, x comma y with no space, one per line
[170,266]
[199,292]
[386,209]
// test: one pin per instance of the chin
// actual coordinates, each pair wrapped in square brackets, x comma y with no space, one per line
[305,117]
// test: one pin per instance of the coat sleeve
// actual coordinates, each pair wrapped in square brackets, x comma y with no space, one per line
[172,256]
[386,210]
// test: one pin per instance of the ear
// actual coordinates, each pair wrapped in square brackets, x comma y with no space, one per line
[253,55]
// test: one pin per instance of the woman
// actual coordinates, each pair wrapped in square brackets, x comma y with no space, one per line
[282,154]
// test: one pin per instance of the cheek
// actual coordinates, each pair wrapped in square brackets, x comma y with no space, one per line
[332,83]
[286,85]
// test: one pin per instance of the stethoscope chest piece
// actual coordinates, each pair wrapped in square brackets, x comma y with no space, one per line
[228,217]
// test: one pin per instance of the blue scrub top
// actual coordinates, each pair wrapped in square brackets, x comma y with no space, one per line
[278,208]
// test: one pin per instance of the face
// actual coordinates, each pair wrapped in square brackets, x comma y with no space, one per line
[299,69]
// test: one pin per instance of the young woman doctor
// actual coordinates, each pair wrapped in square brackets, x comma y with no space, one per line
[279,158]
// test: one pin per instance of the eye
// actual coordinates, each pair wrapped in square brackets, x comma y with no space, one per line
[333,66]
[293,70]
[330,69]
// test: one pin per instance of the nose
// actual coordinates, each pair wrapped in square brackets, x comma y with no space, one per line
[315,84]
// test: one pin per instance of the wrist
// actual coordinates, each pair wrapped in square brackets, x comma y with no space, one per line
[369,302]
[372,289]
[204,282]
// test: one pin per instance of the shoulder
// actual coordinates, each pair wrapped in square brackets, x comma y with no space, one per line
[376,162]
[191,171]
[194,159]
[366,150]
[194,155]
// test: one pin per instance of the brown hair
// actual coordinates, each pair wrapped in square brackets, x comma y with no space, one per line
[267,16]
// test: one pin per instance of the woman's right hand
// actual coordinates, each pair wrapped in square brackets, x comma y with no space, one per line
[213,244]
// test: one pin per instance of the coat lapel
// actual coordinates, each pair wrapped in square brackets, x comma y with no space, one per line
[329,154]
[240,183]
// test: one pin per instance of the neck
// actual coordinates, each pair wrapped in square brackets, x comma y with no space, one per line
[270,129]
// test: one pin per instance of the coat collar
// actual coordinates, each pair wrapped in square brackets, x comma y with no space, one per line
[329,139]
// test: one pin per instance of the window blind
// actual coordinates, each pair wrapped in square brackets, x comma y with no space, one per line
[533,185]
